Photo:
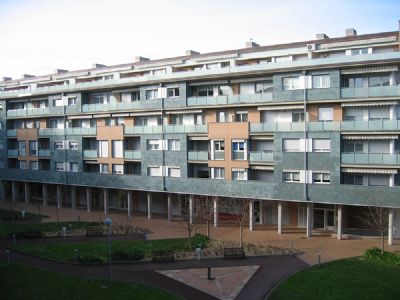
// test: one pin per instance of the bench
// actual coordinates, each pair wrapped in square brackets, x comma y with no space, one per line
[94,231]
[236,252]
[163,257]
[32,234]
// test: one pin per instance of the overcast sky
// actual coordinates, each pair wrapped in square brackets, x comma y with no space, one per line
[39,36]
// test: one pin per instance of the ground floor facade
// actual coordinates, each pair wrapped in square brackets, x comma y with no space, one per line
[338,220]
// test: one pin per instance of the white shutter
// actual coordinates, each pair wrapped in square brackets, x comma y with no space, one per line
[325,114]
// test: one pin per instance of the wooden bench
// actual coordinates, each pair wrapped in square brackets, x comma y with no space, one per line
[32,234]
[236,252]
[163,257]
[94,231]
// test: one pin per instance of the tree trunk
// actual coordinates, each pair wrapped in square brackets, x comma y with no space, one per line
[241,235]
[189,235]
[382,241]
[208,228]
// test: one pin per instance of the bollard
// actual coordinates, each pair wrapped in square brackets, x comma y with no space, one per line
[319,260]
[8,256]
[209,273]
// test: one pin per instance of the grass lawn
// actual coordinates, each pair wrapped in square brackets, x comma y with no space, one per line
[353,279]
[65,251]
[19,282]
[14,215]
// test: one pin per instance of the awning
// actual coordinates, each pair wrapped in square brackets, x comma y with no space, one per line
[370,137]
[91,162]
[80,117]
[262,168]
[102,116]
[216,82]
[148,113]
[183,112]
[290,170]
[262,138]
[251,79]
[198,138]
[371,103]
[369,171]
[371,70]
[281,107]
[121,115]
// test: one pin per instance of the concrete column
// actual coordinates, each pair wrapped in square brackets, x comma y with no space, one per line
[280,219]
[45,194]
[251,214]
[309,219]
[14,191]
[215,211]
[169,207]
[73,197]
[27,192]
[390,226]
[59,196]
[2,190]
[88,199]
[261,212]
[129,204]
[149,205]
[191,200]
[105,198]
[339,222]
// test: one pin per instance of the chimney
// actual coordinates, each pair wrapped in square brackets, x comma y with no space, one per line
[252,44]
[141,59]
[351,32]
[60,71]
[321,36]
[191,52]
[27,76]
[6,78]
[96,66]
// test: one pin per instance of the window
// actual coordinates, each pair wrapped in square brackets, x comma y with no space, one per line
[172,92]
[59,145]
[154,171]
[291,83]
[71,100]
[34,165]
[103,149]
[325,113]
[174,172]
[353,147]
[23,164]
[379,113]
[321,178]
[247,88]
[110,121]
[58,102]
[56,123]
[99,99]
[73,145]
[291,145]
[264,87]
[239,174]
[241,116]
[378,81]
[205,91]
[321,81]
[73,167]
[130,96]
[353,179]
[378,180]
[225,90]
[22,148]
[152,94]
[291,176]
[297,116]
[321,145]
[238,150]
[33,148]
[174,145]
[219,173]
[104,168]
[159,72]
[222,116]
[60,166]
[359,51]
[153,144]
[117,149]
[118,169]
[219,146]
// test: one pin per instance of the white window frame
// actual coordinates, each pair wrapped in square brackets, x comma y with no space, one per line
[291,176]
[239,174]
[322,81]
[152,94]
[73,145]
[172,170]
[174,144]
[321,177]
[104,169]
[60,166]
[23,164]
[59,145]
[118,169]
[103,148]
[117,148]
[321,148]
[154,144]
[73,167]
[157,173]
[34,165]
[218,173]
[174,92]
[291,83]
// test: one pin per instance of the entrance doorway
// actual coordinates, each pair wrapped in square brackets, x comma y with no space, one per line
[324,218]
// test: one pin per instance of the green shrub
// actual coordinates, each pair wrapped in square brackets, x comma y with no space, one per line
[91,258]
[199,239]
[127,255]
[373,253]
[387,257]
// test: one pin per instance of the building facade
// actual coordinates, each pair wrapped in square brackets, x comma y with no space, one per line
[307,131]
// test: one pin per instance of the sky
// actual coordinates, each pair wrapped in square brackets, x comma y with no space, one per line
[39,36]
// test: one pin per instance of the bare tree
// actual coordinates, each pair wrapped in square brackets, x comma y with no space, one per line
[185,213]
[239,209]
[376,218]
[205,210]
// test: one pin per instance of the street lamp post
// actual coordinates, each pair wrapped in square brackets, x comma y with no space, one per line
[108,222]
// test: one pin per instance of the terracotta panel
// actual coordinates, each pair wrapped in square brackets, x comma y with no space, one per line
[26,134]
[235,88]
[254,116]
[211,116]
[110,133]
[128,122]
[100,122]
[337,112]
[312,113]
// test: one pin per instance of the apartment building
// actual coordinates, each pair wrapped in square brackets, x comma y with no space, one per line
[307,131]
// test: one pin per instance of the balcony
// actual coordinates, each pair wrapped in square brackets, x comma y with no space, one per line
[199,101]
[233,99]
[12,132]
[261,156]
[370,158]
[219,155]
[44,152]
[198,155]
[66,131]
[185,128]
[111,106]
[382,91]
[132,154]
[142,129]
[12,152]
[90,153]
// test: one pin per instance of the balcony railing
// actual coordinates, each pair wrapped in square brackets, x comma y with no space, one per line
[111,106]
[381,91]
[259,156]
[198,155]
[219,155]
[370,158]
[238,155]
[44,152]
[12,132]
[66,131]
[132,154]
[89,153]
[232,99]
[185,128]
[12,152]
[142,129]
